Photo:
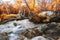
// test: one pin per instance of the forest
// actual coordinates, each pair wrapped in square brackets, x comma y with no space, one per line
[25,8]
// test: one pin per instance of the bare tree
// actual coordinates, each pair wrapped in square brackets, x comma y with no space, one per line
[5,5]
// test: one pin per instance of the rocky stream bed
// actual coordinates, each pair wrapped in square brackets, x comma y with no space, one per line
[27,30]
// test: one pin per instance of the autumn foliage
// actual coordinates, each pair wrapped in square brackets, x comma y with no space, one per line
[34,6]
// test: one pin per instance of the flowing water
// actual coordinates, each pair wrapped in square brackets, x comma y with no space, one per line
[17,27]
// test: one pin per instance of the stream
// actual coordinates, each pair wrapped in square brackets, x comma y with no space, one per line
[17,27]
[14,30]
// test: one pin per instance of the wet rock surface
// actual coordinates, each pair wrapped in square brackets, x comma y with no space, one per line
[27,30]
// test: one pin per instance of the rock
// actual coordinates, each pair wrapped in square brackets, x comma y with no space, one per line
[58,24]
[52,25]
[50,38]
[39,38]
[15,24]
[4,36]
[52,30]
[21,37]
[59,39]
[33,32]
[44,16]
